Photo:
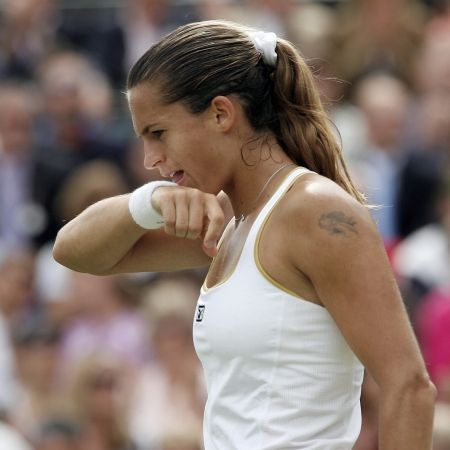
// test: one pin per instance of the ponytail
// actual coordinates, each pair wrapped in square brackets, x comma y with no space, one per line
[302,126]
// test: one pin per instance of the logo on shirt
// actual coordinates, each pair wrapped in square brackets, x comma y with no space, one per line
[200,312]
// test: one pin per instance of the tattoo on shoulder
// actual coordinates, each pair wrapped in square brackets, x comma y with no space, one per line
[338,223]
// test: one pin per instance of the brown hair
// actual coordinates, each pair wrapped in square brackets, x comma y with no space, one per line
[199,61]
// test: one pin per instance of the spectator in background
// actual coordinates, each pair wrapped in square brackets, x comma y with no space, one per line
[16,287]
[307,24]
[95,32]
[212,9]
[429,136]
[108,323]
[20,218]
[26,34]
[112,38]
[76,126]
[432,68]
[425,165]
[39,396]
[97,394]
[58,434]
[146,21]
[7,369]
[169,394]
[376,35]
[88,183]
[433,325]
[16,272]
[383,100]
[269,15]
[8,392]
[422,259]
[311,26]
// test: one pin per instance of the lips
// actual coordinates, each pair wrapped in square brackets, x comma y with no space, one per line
[177,176]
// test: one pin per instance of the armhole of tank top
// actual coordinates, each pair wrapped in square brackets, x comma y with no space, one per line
[260,267]
[204,288]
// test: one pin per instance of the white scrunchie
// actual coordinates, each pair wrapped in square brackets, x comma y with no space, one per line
[266,44]
[141,208]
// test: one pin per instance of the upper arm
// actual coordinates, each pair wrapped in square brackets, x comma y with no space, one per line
[342,254]
[156,251]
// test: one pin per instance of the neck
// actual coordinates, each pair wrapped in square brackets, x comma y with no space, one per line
[254,184]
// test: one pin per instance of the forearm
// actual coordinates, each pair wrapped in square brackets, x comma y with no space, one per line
[406,419]
[98,238]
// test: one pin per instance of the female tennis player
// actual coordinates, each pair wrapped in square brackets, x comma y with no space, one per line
[299,296]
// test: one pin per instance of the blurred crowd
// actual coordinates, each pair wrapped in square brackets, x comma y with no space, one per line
[107,363]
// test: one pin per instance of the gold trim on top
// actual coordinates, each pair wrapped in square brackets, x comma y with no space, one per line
[204,288]
[261,269]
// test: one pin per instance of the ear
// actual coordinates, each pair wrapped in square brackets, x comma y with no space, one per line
[224,112]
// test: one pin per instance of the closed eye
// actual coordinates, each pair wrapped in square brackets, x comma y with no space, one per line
[157,134]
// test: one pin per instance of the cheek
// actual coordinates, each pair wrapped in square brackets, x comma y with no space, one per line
[196,152]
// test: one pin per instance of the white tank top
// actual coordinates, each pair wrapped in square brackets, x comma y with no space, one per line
[278,371]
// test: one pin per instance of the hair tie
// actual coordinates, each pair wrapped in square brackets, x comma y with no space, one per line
[266,44]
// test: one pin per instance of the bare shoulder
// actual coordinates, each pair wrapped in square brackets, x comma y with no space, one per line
[326,229]
[321,207]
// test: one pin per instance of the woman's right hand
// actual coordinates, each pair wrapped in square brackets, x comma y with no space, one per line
[192,214]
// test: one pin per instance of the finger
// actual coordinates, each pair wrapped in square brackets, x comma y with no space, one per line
[210,251]
[216,220]
[181,215]
[169,215]
[196,217]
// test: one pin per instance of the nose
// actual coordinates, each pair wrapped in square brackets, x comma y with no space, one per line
[152,156]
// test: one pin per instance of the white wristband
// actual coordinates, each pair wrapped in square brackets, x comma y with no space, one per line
[141,208]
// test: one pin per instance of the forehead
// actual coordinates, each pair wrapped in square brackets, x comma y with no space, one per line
[147,108]
[142,94]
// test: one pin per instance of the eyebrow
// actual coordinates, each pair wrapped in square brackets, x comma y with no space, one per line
[146,129]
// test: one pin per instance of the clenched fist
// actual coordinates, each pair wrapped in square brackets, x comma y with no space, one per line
[190,213]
